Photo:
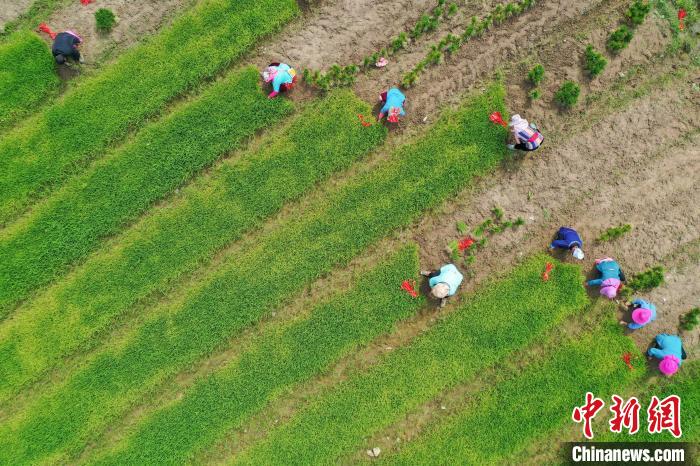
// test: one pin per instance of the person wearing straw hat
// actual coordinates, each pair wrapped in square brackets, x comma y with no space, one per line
[282,76]
[393,100]
[444,282]
[66,45]
[611,277]
[643,312]
[526,136]
[670,353]
[568,238]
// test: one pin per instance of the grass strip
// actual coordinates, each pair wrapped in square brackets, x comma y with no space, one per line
[508,314]
[57,142]
[535,400]
[215,210]
[277,359]
[119,188]
[685,384]
[419,176]
[27,75]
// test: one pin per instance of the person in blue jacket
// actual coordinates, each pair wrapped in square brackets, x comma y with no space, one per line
[669,350]
[568,238]
[643,312]
[393,100]
[282,76]
[444,282]
[611,277]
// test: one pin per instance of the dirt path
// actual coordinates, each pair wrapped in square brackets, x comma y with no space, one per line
[11,10]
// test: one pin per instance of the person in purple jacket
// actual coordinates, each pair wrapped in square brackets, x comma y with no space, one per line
[567,238]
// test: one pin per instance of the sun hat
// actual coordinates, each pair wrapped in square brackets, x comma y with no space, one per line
[669,365]
[641,316]
[441,290]
[577,253]
[517,122]
[609,287]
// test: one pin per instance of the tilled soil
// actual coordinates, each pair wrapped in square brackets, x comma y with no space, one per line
[135,20]
[11,10]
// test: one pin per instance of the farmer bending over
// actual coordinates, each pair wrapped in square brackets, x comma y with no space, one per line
[567,238]
[443,282]
[525,135]
[393,100]
[282,76]
[611,277]
[669,350]
[66,45]
[643,312]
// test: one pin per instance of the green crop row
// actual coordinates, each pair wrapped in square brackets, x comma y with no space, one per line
[685,384]
[117,189]
[277,359]
[508,314]
[451,43]
[49,147]
[27,76]
[535,401]
[237,196]
[332,231]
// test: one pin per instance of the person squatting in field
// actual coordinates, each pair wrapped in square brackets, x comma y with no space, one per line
[393,100]
[611,277]
[282,76]
[444,282]
[669,350]
[525,135]
[643,312]
[66,45]
[568,238]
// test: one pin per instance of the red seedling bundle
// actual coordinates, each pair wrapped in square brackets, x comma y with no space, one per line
[465,244]
[547,269]
[681,15]
[362,120]
[44,28]
[410,288]
[86,2]
[498,119]
[627,357]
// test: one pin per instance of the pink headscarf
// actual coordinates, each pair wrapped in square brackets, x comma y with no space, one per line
[669,365]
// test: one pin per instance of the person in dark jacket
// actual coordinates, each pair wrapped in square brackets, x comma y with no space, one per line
[567,238]
[66,45]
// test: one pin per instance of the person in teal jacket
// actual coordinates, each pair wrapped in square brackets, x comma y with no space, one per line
[393,100]
[611,277]
[643,312]
[669,350]
[444,282]
[282,77]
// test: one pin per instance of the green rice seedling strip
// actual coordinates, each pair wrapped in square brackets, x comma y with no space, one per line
[215,210]
[506,315]
[277,359]
[537,400]
[27,76]
[419,176]
[686,384]
[117,189]
[37,12]
[54,144]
